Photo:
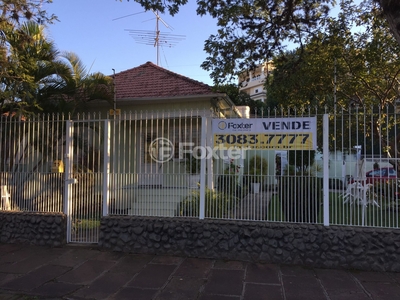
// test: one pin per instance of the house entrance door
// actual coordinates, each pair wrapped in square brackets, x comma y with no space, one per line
[151,166]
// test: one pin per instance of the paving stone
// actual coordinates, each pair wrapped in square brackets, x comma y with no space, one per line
[371,276]
[4,277]
[262,273]
[382,290]
[337,280]
[194,267]
[36,278]
[153,276]
[110,256]
[87,272]
[130,293]
[75,256]
[131,264]
[56,289]
[167,260]
[263,292]
[105,286]
[348,295]
[10,296]
[181,289]
[19,254]
[4,267]
[225,282]
[83,273]
[229,264]
[219,297]
[394,276]
[289,270]
[339,284]
[31,263]
[302,288]
[4,248]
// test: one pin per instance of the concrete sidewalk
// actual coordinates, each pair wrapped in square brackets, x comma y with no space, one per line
[76,272]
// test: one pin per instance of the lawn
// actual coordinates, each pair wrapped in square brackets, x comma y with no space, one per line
[384,214]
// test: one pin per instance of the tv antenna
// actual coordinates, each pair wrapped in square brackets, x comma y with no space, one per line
[155,38]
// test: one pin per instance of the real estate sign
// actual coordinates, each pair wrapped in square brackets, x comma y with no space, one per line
[266,133]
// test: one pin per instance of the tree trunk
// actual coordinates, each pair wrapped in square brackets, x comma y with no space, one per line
[391,11]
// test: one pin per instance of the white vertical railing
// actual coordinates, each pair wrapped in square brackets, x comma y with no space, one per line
[203,169]
[67,177]
[106,167]
[112,167]
[325,177]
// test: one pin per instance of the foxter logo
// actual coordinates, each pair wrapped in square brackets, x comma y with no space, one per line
[222,125]
[239,126]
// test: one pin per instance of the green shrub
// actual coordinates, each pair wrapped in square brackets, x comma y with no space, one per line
[256,171]
[227,184]
[388,188]
[218,204]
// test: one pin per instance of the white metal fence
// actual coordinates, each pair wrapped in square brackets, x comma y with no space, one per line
[143,163]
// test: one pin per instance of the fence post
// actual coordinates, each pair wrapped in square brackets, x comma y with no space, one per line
[67,176]
[325,151]
[203,143]
[106,167]
[210,167]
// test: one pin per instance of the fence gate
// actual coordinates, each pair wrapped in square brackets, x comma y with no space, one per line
[83,189]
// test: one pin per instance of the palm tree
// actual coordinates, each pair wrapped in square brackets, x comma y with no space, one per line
[82,86]
[37,78]
[32,72]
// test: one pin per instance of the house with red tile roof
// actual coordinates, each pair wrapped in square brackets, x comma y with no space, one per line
[150,87]
[155,104]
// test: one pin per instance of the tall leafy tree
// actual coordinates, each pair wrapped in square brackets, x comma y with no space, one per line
[367,71]
[366,64]
[12,14]
[32,72]
[38,78]
[253,31]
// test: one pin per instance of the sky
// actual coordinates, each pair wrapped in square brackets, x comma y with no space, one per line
[89,29]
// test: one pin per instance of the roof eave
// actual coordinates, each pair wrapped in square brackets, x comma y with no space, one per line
[183,97]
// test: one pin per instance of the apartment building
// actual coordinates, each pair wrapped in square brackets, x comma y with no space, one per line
[252,82]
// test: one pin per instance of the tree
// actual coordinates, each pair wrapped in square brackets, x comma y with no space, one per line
[36,78]
[366,64]
[391,11]
[367,68]
[31,73]
[79,86]
[253,31]
[15,12]
[21,34]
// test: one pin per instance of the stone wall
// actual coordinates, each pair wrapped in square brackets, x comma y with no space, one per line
[45,229]
[309,245]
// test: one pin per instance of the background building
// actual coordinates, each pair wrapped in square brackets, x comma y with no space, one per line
[252,82]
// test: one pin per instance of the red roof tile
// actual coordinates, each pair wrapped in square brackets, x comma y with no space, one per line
[151,81]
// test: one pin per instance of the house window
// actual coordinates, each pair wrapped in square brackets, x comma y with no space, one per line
[184,135]
[256,91]
[150,152]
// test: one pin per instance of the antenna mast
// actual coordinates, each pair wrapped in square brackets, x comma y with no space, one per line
[156,38]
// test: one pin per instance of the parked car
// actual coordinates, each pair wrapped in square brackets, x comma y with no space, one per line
[381,175]
[377,176]
[385,181]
